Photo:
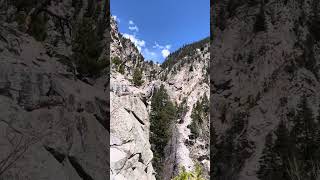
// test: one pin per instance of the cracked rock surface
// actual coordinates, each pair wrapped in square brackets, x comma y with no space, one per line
[52,124]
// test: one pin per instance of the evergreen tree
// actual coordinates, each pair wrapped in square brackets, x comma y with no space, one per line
[260,23]
[297,151]
[199,113]
[283,144]
[284,149]
[87,50]
[267,170]
[228,157]
[182,109]
[304,130]
[137,77]
[162,114]
[317,138]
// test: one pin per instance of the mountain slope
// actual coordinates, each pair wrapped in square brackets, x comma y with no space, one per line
[51,127]
[259,73]
[186,81]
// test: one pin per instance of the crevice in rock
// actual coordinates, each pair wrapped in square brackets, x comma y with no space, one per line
[223,86]
[77,166]
[131,156]
[51,91]
[45,103]
[140,157]
[103,108]
[36,64]
[5,91]
[57,155]
[125,142]
[103,122]
[135,115]
[3,38]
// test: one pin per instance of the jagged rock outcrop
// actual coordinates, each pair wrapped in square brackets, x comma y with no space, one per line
[129,136]
[129,56]
[265,56]
[54,125]
[130,148]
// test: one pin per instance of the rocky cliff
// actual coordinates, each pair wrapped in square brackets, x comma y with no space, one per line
[130,149]
[185,78]
[265,59]
[53,119]
[187,84]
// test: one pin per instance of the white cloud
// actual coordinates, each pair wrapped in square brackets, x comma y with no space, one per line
[157,46]
[165,50]
[138,42]
[149,54]
[134,28]
[165,53]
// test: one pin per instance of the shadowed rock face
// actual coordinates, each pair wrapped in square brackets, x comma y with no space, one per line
[53,125]
[261,55]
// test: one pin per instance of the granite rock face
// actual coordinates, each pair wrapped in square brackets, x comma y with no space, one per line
[259,71]
[130,148]
[187,83]
[53,124]
[129,136]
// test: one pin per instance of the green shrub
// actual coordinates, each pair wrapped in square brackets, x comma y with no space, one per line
[119,66]
[87,49]
[182,108]
[38,27]
[193,175]
[137,77]
[38,24]
[194,128]
[20,19]
[121,69]
[116,61]
[199,113]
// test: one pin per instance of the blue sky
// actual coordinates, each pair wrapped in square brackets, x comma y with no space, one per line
[159,27]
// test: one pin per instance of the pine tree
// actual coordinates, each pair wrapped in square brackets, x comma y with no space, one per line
[304,130]
[228,157]
[162,114]
[283,143]
[199,113]
[137,77]
[317,138]
[284,149]
[260,23]
[87,50]
[267,170]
